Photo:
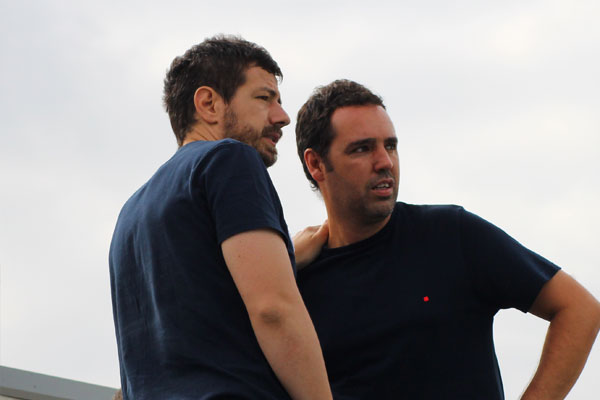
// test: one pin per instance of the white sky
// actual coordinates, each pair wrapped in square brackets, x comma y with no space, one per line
[496,107]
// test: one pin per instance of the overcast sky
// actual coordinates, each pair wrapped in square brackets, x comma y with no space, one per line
[496,106]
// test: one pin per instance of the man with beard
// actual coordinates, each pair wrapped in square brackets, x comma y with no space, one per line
[202,268]
[403,296]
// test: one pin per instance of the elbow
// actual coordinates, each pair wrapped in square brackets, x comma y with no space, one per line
[271,314]
[589,317]
[596,316]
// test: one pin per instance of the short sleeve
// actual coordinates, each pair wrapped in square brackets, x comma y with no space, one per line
[504,273]
[239,191]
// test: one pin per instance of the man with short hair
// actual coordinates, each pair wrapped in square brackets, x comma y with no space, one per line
[202,267]
[403,296]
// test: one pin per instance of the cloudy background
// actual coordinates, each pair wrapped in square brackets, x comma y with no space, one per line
[496,105]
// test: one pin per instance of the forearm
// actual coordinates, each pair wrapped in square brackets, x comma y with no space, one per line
[289,342]
[568,342]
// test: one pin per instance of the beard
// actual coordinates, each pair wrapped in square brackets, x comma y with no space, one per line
[252,137]
[356,202]
[383,207]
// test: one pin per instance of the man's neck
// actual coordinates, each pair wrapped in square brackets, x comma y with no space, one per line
[201,132]
[343,232]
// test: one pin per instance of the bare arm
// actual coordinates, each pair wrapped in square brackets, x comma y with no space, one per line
[574,317]
[309,242]
[261,269]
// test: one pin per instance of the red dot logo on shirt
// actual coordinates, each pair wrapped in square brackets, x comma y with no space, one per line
[426,299]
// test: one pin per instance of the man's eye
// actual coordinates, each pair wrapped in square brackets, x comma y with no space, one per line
[265,98]
[391,146]
[360,149]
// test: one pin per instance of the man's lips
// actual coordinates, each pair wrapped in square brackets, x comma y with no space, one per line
[383,187]
[273,136]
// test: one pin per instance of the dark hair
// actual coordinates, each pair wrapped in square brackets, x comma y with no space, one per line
[219,62]
[313,125]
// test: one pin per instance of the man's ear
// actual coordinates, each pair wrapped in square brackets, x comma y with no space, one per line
[209,105]
[314,163]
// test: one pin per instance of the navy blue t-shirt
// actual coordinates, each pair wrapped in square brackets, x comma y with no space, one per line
[182,328]
[408,312]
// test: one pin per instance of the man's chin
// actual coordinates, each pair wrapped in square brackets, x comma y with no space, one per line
[268,158]
[382,210]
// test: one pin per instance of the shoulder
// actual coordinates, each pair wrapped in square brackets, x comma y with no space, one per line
[219,155]
[428,212]
[232,145]
[237,153]
[223,147]
[425,220]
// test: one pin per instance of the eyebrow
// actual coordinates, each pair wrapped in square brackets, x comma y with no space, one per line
[370,142]
[359,143]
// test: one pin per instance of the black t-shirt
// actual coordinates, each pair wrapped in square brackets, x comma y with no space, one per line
[182,329]
[408,312]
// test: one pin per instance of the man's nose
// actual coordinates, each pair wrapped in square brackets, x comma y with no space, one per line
[278,115]
[383,159]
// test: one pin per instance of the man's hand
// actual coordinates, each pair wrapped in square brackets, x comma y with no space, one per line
[309,242]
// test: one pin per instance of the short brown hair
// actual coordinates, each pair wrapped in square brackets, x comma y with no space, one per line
[219,62]
[313,125]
